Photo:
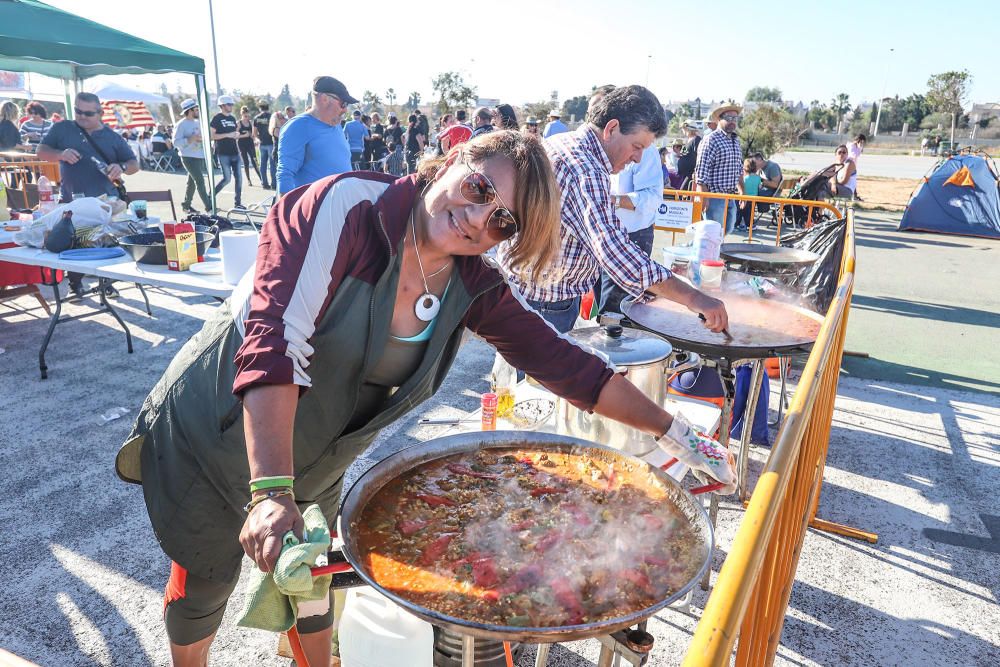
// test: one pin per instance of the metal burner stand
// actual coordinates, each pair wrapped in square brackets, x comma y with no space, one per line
[632,645]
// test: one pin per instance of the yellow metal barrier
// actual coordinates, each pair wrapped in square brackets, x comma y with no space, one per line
[752,591]
[781,202]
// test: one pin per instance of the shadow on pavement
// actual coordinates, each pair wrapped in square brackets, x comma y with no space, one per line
[874,368]
[924,310]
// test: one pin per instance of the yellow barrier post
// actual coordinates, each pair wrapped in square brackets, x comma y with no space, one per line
[755,583]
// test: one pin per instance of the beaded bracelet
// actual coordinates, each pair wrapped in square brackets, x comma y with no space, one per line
[270,495]
[265,483]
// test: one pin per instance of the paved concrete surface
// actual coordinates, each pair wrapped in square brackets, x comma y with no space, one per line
[888,166]
[919,465]
[926,307]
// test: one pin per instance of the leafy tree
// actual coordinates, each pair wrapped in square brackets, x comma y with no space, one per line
[575,107]
[540,110]
[412,101]
[764,94]
[284,98]
[912,110]
[840,105]
[946,92]
[248,100]
[453,93]
[371,102]
[769,129]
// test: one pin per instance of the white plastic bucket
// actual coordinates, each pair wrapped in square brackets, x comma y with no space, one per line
[376,632]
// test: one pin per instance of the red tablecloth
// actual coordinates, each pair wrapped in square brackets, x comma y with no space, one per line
[18,274]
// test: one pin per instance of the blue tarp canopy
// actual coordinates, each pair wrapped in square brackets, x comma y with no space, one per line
[962,196]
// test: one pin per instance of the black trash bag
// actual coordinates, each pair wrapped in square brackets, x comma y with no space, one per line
[818,282]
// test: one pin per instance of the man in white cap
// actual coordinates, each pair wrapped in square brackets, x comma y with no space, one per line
[224,134]
[554,126]
[188,142]
[720,166]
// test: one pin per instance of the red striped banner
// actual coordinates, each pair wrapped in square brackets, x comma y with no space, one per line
[126,114]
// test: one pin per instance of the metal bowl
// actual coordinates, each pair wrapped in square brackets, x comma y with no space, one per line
[369,484]
[150,248]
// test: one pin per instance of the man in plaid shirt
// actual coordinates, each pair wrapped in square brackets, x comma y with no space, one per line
[720,166]
[618,128]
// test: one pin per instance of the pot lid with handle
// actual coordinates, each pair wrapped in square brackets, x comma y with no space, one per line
[624,346]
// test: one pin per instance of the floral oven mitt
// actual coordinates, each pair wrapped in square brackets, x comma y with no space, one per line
[706,457]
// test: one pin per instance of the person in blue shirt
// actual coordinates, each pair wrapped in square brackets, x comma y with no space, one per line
[555,125]
[313,144]
[356,132]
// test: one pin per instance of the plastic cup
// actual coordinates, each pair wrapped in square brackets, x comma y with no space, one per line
[711,273]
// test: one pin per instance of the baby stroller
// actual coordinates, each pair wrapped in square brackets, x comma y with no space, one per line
[815,187]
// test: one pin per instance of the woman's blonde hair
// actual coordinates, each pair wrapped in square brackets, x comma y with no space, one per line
[536,196]
[9,111]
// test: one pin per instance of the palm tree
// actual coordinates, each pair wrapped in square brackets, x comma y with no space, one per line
[840,105]
[391,96]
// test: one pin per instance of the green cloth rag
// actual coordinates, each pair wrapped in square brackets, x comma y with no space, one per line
[273,598]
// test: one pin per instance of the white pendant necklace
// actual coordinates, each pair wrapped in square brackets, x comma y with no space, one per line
[428,305]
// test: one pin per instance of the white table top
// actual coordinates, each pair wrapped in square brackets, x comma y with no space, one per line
[700,413]
[125,269]
[153,274]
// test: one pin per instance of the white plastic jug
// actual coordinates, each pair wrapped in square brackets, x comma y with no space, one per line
[375,632]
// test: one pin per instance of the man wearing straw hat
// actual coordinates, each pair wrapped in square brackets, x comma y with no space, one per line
[720,166]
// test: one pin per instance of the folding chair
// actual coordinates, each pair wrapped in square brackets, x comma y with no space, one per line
[255,214]
[161,162]
[156,196]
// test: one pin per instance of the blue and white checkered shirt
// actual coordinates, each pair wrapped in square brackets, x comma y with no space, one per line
[591,236]
[720,162]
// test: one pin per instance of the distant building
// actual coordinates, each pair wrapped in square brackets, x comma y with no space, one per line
[984,111]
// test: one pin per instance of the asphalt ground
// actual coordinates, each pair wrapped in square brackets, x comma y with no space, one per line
[916,463]
[886,166]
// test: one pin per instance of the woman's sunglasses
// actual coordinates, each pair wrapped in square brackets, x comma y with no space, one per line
[478,189]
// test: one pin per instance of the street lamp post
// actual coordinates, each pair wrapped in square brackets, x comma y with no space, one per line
[881,101]
[215,54]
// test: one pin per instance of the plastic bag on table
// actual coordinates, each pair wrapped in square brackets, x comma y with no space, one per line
[91,216]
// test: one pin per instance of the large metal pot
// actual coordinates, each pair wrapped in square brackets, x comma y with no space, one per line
[647,360]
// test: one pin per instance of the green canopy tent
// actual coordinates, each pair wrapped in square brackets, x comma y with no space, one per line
[35,37]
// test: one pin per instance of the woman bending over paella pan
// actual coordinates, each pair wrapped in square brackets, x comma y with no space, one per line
[352,316]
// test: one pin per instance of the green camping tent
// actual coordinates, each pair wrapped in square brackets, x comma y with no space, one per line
[35,37]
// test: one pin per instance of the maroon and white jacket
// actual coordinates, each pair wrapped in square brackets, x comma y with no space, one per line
[337,238]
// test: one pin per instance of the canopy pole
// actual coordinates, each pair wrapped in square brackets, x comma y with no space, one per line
[70,115]
[206,144]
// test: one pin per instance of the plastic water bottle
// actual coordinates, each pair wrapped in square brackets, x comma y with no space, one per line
[45,201]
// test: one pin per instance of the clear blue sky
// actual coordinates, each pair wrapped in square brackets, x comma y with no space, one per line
[709,49]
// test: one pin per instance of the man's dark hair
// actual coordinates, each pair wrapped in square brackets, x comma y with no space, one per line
[263,106]
[861,137]
[483,113]
[88,97]
[38,108]
[598,93]
[460,115]
[758,154]
[632,107]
